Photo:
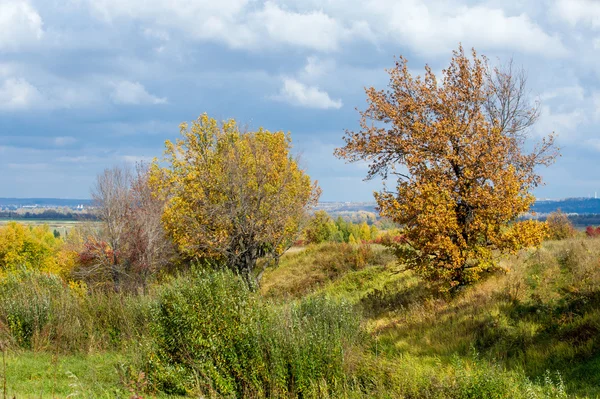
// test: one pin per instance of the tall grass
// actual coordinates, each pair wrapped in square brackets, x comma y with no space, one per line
[39,311]
[211,336]
[319,265]
[352,327]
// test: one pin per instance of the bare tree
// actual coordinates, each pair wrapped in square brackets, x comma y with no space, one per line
[130,244]
[150,250]
[112,198]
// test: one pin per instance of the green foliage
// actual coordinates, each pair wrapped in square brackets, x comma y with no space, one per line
[39,311]
[530,333]
[320,228]
[28,304]
[211,336]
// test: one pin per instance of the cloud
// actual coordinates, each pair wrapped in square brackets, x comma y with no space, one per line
[316,67]
[596,105]
[297,93]
[134,93]
[241,24]
[427,26]
[18,94]
[433,27]
[313,29]
[574,12]
[20,23]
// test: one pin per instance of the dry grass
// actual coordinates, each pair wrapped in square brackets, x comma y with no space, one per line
[542,315]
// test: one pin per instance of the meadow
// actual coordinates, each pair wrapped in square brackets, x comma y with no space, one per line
[61,226]
[332,320]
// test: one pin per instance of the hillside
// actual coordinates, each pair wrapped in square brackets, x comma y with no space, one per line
[538,322]
[346,313]
[568,205]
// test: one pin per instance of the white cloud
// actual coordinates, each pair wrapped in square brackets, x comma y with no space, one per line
[574,93]
[74,159]
[564,123]
[313,29]
[20,24]
[574,12]
[316,67]
[134,93]
[238,23]
[299,94]
[432,27]
[596,105]
[29,166]
[18,94]
[428,26]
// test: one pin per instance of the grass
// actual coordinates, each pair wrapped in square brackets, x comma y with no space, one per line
[542,316]
[532,332]
[46,375]
[62,226]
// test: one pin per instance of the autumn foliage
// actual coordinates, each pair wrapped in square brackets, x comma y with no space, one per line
[559,226]
[592,232]
[33,248]
[455,146]
[232,197]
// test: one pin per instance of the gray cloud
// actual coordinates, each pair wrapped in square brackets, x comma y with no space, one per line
[85,84]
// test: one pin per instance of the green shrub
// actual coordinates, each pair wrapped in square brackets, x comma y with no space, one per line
[39,311]
[36,308]
[211,336]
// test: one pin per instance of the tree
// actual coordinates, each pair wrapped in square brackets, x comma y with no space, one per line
[364,232]
[320,228]
[30,247]
[456,149]
[131,244]
[232,197]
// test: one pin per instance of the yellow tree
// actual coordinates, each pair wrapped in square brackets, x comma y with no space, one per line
[455,147]
[232,197]
[32,247]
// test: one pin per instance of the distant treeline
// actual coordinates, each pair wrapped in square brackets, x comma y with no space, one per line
[48,214]
[592,219]
[586,206]
[585,220]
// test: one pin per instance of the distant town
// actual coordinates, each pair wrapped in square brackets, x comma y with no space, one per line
[74,209]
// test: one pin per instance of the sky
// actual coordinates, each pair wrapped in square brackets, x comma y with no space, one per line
[89,84]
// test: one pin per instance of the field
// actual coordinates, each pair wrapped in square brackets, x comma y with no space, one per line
[530,332]
[62,226]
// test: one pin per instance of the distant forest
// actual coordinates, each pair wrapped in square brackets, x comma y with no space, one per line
[569,205]
[48,214]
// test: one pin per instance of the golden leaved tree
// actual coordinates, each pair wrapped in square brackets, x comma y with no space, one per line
[232,197]
[456,149]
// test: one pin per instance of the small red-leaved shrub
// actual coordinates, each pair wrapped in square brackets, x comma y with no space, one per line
[592,232]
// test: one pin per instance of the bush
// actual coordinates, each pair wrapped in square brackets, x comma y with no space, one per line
[211,336]
[592,232]
[559,226]
[35,308]
[39,311]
